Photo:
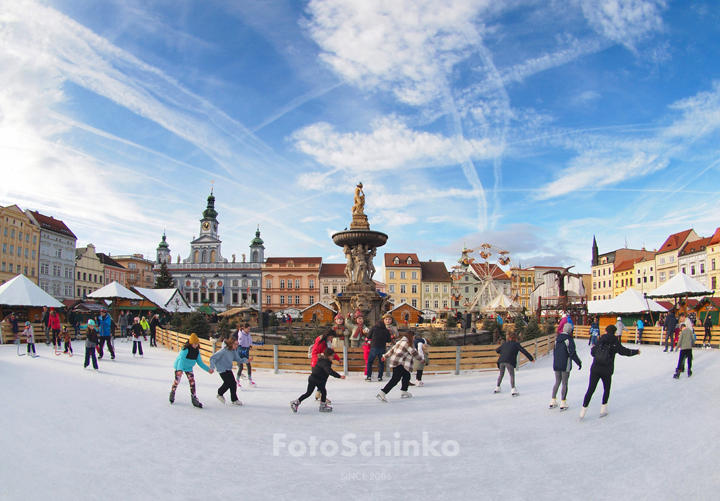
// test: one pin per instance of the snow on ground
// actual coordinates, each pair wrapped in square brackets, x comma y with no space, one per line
[68,433]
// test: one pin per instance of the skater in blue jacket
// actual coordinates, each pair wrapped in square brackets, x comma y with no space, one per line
[223,362]
[185,361]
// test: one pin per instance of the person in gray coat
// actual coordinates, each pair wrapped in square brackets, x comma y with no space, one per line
[223,361]
[563,357]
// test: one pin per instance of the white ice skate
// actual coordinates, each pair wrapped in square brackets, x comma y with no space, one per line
[564,405]
[603,410]
[419,383]
[583,411]
[553,403]
[381,396]
[221,398]
[514,392]
[236,402]
[497,389]
[405,394]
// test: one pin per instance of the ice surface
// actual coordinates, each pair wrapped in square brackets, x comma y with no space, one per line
[68,433]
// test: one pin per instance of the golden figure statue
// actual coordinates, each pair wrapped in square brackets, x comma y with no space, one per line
[359,201]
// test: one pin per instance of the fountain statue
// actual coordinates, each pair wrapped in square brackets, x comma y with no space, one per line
[359,245]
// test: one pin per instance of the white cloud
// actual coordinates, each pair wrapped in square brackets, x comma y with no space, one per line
[406,46]
[391,145]
[624,21]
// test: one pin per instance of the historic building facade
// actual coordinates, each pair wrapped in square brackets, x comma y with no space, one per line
[692,260]
[332,281]
[666,259]
[113,271]
[435,286]
[403,276]
[139,271]
[20,238]
[56,256]
[291,282]
[89,272]
[205,275]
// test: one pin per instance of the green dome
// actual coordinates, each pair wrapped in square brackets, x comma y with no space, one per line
[163,244]
[257,240]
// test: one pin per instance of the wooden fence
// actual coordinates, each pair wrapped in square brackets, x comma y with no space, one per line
[651,335]
[443,359]
[9,338]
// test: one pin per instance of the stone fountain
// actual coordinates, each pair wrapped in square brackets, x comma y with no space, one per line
[360,246]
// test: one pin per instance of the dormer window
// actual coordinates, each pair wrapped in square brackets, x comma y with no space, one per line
[409,260]
[396,260]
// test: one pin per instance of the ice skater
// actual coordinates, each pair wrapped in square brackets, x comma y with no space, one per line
[318,379]
[420,344]
[603,367]
[68,344]
[400,357]
[322,343]
[684,346]
[91,340]
[136,331]
[508,360]
[245,343]
[379,337]
[29,334]
[185,361]
[154,324]
[54,322]
[563,357]
[594,333]
[708,325]
[670,324]
[222,361]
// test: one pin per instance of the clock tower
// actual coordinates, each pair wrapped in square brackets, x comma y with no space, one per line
[209,222]
[205,249]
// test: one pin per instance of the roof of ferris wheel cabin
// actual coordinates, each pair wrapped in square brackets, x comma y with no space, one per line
[488,270]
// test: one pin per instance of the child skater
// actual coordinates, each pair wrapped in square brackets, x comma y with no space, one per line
[420,344]
[245,342]
[185,361]
[508,360]
[366,352]
[137,331]
[91,341]
[30,335]
[66,337]
[223,362]
[318,379]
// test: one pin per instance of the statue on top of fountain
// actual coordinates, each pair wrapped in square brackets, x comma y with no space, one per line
[359,269]
[359,219]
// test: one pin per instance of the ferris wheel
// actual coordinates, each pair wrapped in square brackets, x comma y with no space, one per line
[486,273]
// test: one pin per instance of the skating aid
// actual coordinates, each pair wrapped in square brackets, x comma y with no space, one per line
[17,342]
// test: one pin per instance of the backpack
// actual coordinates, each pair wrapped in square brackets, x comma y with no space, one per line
[603,353]
[310,348]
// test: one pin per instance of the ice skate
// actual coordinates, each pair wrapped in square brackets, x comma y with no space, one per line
[497,389]
[172,397]
[603,410]
[239,385]
[236,402]
[196,402]
[583,411]
[368,379]
[689,373]
[252,384]
[419,383]
[380,379]
[514,392]
[676,375]
[221,398]
[564,405]
[405,394]
[381,396]
[294,405]
[324,407]
[553,403]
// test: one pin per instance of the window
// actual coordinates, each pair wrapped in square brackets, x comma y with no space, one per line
[702,268]
[234,283]
[282,299]
[437,288]
[436,304]
[326,289]
[402,273]
[311,285]
[594,272]
[671,274]
[312,299]
[84,276]
[692,269]
[3,267]
[392,275]
[297,299]
[413,274]
[12,233]
[58,253]
[427,288]
[403,288]
[409,260]
[672,259]
[96,278]
[282,284]
[34,239]
[391,287]
[334,289]
[244,284]
[19,251]
[662,276]
[234,297]
[268,300]
[12,250]
[396,260]
[467,289]
[26,253]
[651,278]
[427,304]
[662,260]
[413,288]
[268,283]
[342,289]
[26,272]
[684,270]
[5,231]
[219,297]
[467,278]
[714,283]
[44,267]
[297,284]
[414,301]
[445,304]
[712,264]
[523,291]
[195,297]
[445,289]
[254,283]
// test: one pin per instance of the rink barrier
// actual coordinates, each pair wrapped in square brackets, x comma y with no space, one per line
[651,335]
[8,337]
[443,359]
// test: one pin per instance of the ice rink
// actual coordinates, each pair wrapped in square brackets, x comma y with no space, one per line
[68,433]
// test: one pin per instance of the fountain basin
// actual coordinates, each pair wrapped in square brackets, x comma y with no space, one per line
[357,237]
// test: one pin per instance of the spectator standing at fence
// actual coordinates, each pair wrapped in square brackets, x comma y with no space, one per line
[685,344]
[379,337]
[137,331]
[400,358]
[670,324]
[14,327]
[603,367]
[184,363]
[563,356]
[222,361]
[154,324]
[123,324]
[45,319]
[708,325]
[322,369]
[620,328]
[91,340]
[508,360]
[639,327]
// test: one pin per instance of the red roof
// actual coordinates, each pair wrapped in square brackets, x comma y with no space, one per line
[296,260]
[695,246]
[434,271]
[627,265]
[332,270]
[487,269]
[674,241]
[52,224]
[390,261]
[715,239]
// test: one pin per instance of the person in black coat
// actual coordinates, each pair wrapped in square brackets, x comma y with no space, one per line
[318,379]
[598,371]
[379,336]
[708,331]
[670,324]
[508,360]
[563,356]
[154,324]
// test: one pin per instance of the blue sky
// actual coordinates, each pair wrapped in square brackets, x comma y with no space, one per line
[530,125]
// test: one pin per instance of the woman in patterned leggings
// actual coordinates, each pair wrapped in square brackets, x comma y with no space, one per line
[185,361]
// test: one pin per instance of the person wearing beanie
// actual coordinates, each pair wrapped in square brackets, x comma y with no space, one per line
[563,357]
[321,344]
[65,334]
[620,328]
[603,367]
[359,330]
[245,344]
[223,362]
[185,361]
[342,333]
[508,360]
[318,379]
[104,334]
[91,340]
[136,330]
[379,337]
[30,336]
[684,346]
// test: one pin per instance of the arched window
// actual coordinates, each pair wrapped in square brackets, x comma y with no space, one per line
[197,257]
[234,282]
[204,257]
[244,283]
[212,256]
[255,256]
[409,260]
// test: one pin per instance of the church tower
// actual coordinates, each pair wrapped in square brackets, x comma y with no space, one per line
[206,248]
[595,252]
[257,249]
[163,252]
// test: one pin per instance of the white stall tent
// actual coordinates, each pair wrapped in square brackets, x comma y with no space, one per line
[20,291]
[630,301]
[681,285]
[169,300]
[114,290]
